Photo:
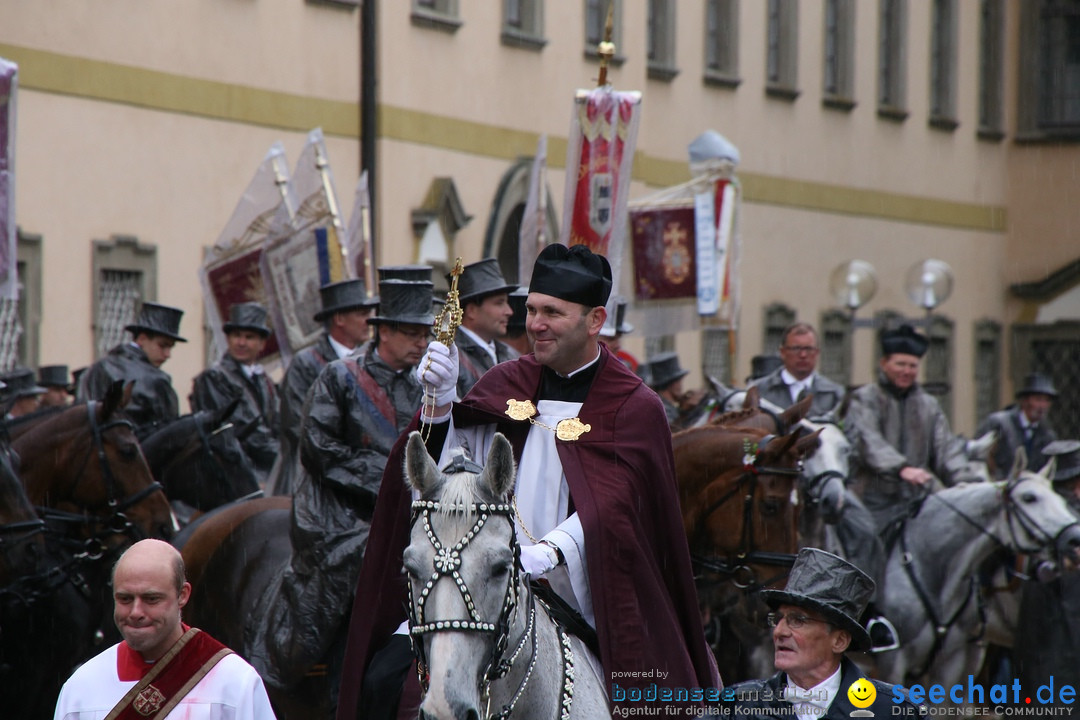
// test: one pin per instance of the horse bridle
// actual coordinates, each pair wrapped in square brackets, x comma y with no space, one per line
[446,564]
[207,448]
[742,575]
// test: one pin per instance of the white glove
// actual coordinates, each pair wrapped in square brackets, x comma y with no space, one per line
[438,373]
[538,559]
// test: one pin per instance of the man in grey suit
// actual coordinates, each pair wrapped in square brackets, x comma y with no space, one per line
[798,377]
[1023,425]
[485,304]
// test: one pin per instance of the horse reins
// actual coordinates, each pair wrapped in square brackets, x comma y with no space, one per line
[446,564]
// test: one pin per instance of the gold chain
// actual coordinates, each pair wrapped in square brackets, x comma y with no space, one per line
[521,522]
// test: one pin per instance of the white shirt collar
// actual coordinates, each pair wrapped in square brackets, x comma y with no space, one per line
[489,346]
[586,365]
[820,696]
[342,351]
[252,369]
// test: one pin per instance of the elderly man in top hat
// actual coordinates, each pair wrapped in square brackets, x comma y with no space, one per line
[598,512]
[485,306]
[153,402]
[611,335]
[21,394]
[1023,425]
[346,309]
[57,383]
[783,387]
[899,434]
[1048,624]
[814,621]
[354,414]
[239,376]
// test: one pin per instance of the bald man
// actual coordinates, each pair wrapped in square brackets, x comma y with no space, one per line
[160,656]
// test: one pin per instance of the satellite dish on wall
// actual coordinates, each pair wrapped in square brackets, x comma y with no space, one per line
[853,284]
[929,283]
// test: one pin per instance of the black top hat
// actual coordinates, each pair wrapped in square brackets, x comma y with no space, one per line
[248,316]
[762,365]
[575,274]
[1067,453]
[480,279]
[157,319]
[516,323]
[617,325]
[904,340]
[20,383]
[343,296]
[1037,384]
[663,370]
[54,376]
[404,301]
[414,273]
[830,585]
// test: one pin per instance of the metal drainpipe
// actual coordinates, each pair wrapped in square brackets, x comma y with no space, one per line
[368,82]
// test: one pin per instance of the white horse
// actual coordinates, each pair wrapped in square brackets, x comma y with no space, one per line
[931,585]
[489,647]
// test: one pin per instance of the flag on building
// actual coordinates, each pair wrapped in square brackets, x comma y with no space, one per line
[231,271]
[599,159]
[302,255]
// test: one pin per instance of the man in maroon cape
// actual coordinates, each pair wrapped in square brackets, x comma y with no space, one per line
[608,531]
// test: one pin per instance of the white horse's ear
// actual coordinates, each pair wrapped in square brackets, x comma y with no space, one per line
[499,470]
[1047,472]
[419,466]
[980,447]
[1019,463]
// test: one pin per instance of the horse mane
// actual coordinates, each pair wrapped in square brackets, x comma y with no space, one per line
[458,495]
[734,417]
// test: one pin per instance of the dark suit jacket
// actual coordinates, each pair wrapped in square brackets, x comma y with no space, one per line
[1011,436]
[474,360]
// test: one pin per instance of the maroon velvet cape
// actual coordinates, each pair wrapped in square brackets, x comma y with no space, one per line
[622,481]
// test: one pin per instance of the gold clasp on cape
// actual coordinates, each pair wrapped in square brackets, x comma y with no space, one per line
[520,409]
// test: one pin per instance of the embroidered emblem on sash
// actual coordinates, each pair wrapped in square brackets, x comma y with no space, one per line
[148,701]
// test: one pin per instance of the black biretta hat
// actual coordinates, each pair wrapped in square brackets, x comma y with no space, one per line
[575,274]
[904,340]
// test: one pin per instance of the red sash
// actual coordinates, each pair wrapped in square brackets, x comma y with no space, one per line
[171,678]
[372,389]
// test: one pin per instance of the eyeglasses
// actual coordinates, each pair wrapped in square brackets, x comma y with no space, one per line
[801,349]
[794,621]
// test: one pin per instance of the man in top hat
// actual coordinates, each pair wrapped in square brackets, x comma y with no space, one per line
[21,394]
[598,511]
[900,437]
[238,375]
[153,401]
[346,309]
[516,337]
[664,375]
[55,380]
[814,621]
[354,413]
[485,311]
[783,387]
[611,335]
[1023,425]
[1048,624]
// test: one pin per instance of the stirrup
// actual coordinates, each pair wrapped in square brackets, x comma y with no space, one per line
[883,635]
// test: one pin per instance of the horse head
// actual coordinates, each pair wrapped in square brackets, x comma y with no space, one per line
[85,462]
[463,574]
[825,471]
[1035,515]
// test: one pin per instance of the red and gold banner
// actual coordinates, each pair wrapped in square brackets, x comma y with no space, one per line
[664,252]
[603,134]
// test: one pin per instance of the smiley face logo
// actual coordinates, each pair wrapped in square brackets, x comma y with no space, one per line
[862,693]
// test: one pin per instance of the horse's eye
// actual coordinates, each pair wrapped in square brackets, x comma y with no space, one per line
[500,570]
[770,507]
[129,451]
[1029,497]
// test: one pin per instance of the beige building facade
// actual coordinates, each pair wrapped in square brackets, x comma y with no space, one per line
[890,131]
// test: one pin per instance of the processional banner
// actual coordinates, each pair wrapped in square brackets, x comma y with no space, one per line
[534,234]
[600,155]
[231,272]
[305,253]
[358,238]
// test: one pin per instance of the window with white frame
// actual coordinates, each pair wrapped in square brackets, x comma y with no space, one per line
[660,40]
[125,274]
[1049,89]
[782,49]
[839,61]
[722,42]
[943,65]
[892,54]
[523,24]
[991,68]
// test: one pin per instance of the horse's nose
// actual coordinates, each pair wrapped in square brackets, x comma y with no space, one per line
[1069,540]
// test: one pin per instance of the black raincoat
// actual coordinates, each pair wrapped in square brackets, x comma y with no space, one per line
[153,401]
[301,375]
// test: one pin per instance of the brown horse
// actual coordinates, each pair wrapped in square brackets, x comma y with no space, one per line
[83,470]
[737,491]
[232,554]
